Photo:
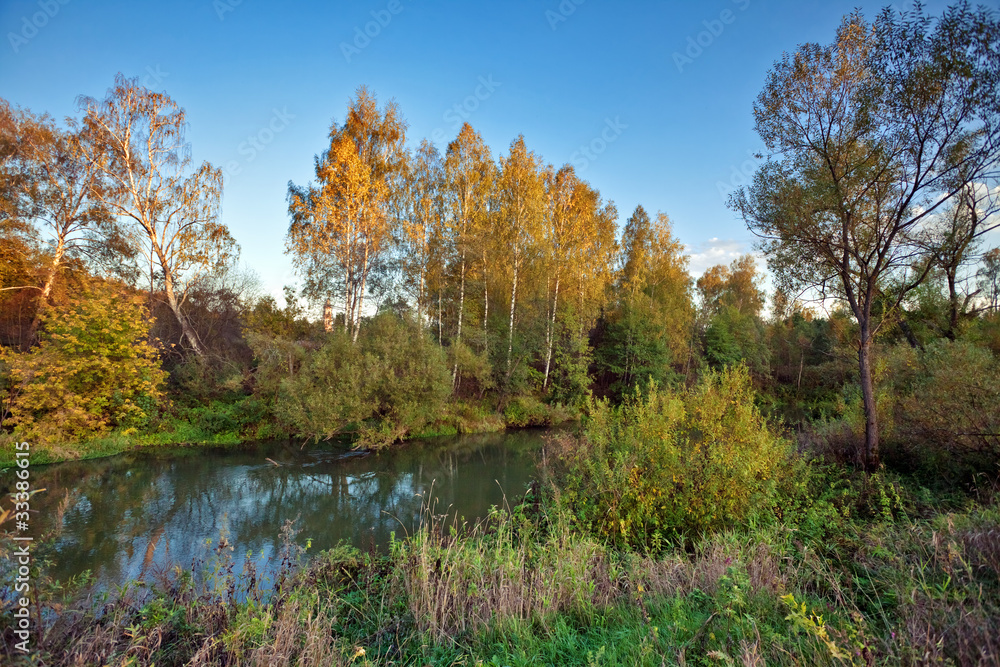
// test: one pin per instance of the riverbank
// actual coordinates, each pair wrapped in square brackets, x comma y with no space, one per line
[233,424]
[840,580]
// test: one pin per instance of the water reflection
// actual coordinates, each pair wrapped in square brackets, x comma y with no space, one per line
[135,513]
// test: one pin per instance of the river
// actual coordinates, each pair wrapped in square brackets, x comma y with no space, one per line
[130,516]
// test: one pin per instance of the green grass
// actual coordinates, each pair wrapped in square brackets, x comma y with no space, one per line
[914,581]
[110,444]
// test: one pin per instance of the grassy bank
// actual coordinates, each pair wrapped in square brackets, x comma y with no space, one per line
[232,423]
[841,580]
[679,527]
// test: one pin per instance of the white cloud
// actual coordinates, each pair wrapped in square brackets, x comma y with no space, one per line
[715,251]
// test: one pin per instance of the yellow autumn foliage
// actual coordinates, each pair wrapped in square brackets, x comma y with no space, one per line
[93,370]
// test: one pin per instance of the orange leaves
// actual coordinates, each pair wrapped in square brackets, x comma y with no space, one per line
[340,224]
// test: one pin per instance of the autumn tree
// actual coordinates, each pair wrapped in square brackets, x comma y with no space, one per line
[469,174]
[18,237]
[594,267]
[138,143]
[419,203]
[579,247]
[93,369]
[520,193]
[654,275]
[341,225]
[60,192]
[731,303]
[871,136]
[736,285]
[650,328]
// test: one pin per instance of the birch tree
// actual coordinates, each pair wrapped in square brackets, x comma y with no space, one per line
[149,182]
[520,193]
[341,225]
[420,194]
[579,242]
[469,177]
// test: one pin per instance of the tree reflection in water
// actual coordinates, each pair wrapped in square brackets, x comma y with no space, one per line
[133,514]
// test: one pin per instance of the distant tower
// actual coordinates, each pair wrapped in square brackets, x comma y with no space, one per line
[328,316]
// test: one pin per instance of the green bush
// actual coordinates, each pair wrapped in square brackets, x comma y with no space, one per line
[667,465]
[526,410]
[393,381]
[948,414]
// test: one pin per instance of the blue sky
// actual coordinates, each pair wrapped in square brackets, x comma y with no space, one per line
[659,94]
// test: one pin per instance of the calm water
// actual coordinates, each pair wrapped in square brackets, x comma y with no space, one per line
[131,515]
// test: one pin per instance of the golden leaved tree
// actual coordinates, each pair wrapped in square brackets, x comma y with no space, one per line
[736,285]
[520,193]
[469,174]
[341,225]
[419,201]
[579,241]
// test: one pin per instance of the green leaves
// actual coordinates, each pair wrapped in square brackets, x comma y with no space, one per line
[393,381]
[674,463]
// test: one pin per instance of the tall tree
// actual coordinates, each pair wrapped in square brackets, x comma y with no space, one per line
[17,235]
[655,274]
[520,191]
[341,225]
[138,143]
[650,327]
[579,243]
[872,135]
[469,176]
[420,189]
[64,198]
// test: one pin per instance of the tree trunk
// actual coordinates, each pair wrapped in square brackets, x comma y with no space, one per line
[551,334]
[802,363]
[871,453]
[186,329]
[461,309]
[347,301]
[420,303]
[43,300]
[486,309]
[361,297]
[510,334]
[904,326]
